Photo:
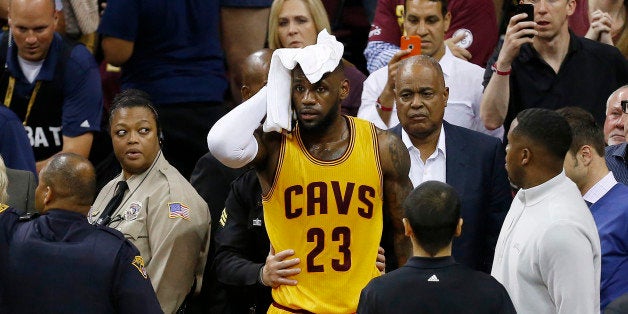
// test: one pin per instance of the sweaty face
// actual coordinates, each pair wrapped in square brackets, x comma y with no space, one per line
[317,104]
[614,123]
[33,26]
[135,139]
[551,16]
[421,97]
[296,27]
[425,19]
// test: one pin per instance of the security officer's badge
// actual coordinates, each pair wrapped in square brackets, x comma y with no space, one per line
[133,211]
[3,207]
[138,262]
[467,40]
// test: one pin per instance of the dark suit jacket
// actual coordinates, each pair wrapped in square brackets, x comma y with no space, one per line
[21,190]
[475,167]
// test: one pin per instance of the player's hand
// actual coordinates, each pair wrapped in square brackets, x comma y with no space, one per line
[455,49]
[514,39]
[380,262]
[278,268]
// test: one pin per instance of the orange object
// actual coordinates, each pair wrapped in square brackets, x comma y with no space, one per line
[411,42]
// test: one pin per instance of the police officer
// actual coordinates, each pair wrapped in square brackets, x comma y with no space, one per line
[58,262]
[152,204]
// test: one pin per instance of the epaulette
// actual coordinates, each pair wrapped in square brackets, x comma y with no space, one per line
[112,231]
[28,216]
[3,207]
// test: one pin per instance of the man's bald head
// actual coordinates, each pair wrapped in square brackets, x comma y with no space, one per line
[254,72]
[32,23]
[72,179]
[33,2]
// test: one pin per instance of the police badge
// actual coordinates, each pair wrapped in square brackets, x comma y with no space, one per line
[133,211]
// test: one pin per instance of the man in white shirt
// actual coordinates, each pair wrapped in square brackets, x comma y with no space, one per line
[471,162]
[548,252]
[608,200]
[429,20]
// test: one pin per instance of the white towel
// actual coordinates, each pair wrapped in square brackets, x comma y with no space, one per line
[315,61]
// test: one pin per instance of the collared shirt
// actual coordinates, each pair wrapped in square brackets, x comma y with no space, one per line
[548,236]
[617,162]
[464,80]
[600,188]
[434,167]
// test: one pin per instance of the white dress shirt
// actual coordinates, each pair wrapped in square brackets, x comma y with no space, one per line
[464,80]
[434,166]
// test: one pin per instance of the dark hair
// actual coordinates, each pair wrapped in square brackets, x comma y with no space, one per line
[443,9]
[133,98]
[433,211]
[584,129]
[546,128]
[71,176]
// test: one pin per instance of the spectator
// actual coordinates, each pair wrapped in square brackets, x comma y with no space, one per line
[171,50]
[617,155]
[325,149]
[295,24]
[432,281]
[66,264]
[243,25]
[51,84]
[479,178]
[614,123]
[552,68]
[152,204]
[607,200]
[548,252]
[428,19]
[471,34]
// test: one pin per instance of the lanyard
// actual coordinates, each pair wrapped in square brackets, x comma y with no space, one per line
[31,101]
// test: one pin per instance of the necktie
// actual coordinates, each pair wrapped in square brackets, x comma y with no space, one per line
[115,201]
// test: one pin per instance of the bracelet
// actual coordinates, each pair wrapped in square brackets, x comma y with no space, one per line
[378,104]
[261,276]
[498,72]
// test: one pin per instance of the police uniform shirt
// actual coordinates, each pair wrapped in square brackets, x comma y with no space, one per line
[59,263]
[168,221]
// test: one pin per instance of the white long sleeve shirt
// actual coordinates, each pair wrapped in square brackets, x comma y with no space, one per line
[548,252]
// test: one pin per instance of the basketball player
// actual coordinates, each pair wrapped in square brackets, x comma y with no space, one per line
[325,189]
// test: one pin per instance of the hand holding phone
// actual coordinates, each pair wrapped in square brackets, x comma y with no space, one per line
[413,43]
[528,9]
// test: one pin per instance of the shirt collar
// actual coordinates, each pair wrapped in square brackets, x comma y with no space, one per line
[447,62]
[600,189]
[135,180]
[48,67]
[440,146]
[528,52]
[430,262]
[536,194]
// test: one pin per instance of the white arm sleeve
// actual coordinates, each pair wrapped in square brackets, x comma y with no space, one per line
[231,139]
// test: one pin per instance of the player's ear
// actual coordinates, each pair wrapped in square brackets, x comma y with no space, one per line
[344,89]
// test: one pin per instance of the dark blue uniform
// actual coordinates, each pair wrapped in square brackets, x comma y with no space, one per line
[59,263]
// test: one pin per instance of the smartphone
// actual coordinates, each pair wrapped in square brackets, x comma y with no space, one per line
[527,8]
[413,43]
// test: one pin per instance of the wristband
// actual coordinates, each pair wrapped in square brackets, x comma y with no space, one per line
[498,72]
[261,276]
[382,108]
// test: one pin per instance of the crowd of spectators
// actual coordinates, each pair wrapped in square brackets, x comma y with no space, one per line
[152,128]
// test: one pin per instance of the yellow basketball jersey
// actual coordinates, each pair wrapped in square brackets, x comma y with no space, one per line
[330,213]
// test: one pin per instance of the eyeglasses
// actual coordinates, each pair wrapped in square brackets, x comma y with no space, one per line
[624,106]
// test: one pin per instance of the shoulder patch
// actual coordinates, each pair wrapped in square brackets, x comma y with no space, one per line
[3,207]
[178,210]
[138,262]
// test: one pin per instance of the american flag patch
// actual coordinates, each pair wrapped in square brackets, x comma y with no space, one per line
[178,210]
